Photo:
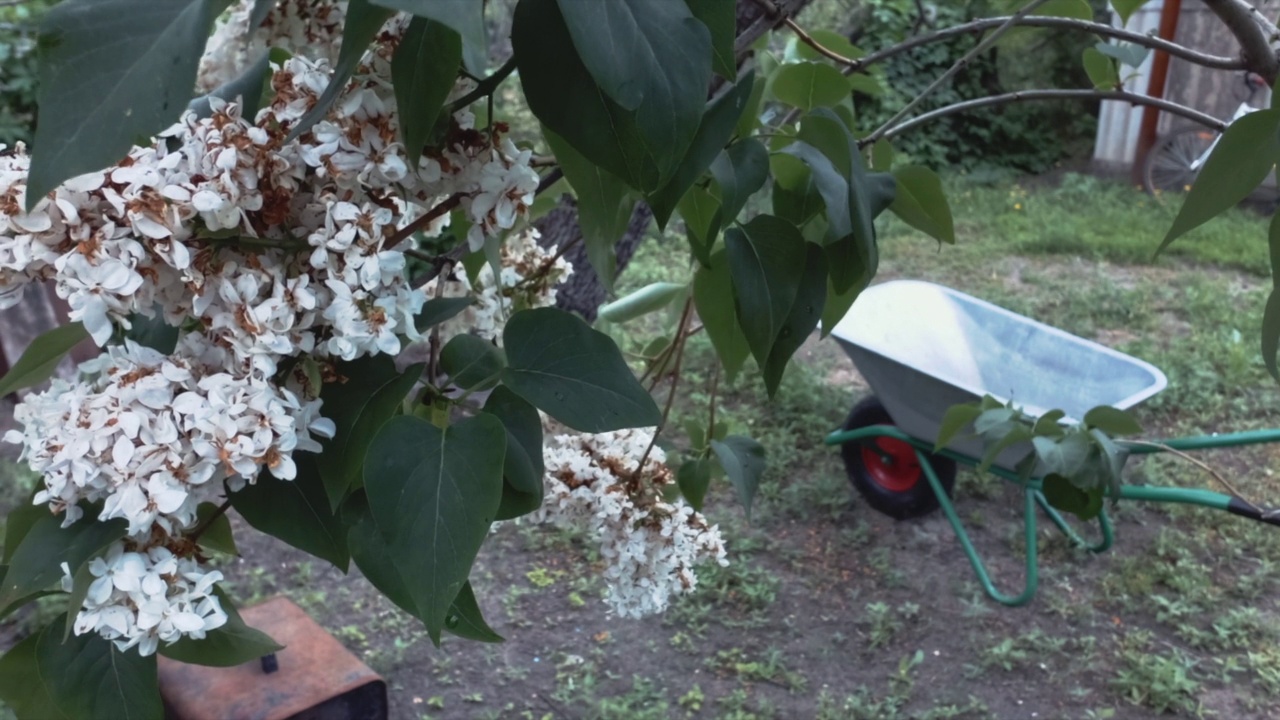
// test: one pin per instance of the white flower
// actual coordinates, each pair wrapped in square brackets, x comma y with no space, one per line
[649,546]
[142,598]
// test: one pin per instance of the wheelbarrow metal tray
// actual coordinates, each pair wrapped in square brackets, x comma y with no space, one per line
[923,348]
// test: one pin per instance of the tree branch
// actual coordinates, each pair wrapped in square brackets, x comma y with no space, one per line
[980,26]
[1024,95]
[1255,39]
[484,87]
[955,69]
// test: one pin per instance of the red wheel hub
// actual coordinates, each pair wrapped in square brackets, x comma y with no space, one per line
[892,464]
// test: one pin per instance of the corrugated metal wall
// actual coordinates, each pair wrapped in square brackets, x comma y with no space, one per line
[1216,92]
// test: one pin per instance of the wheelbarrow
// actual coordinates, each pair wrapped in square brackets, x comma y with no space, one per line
[923,347]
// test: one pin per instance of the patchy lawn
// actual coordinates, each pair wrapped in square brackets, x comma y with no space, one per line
[832,611]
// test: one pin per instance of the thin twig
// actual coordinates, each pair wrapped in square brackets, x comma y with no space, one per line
[1024,95]
[1198,463]
[675,383]
[209,521]
[954,70]
[445,206]
[975,27]
[809,40]
[484,87]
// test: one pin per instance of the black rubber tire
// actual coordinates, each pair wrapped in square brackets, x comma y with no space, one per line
[900,505]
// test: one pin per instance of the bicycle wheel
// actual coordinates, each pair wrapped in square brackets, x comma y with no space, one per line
[1171,163]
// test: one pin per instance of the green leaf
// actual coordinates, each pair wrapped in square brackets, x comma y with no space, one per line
[111,72]
[41,358]
[1270,317]
[81,581]
[648,299]
[245,90]
[1063,495]
[423,72]
[750,119]
[864,84]
[798,205]
[743,461]
[882,156]
[652,57]
[433,494]
[1112,421]
[702,218]
[1078,9]
[88,677]
[921,202]
[18,523]
[573,373]
[809,85]
[831,40]
[153,332]
[471,362]
[767,259]
[522,468]
[713,298]
[465,17]
[367,394]
[1127,53]
[296,511]
[604,206]
[235,643]
[465,619]
[1126,8]
[1015,434]
[1100,69]
[36,562]
[364,20]
[438,310]
[371,555]
[217,535]
[713,134]
[562,94]
[719,17]
[838,305]
[1243,157]
[1064,456]
[740,171]
[258,14]
[801,319]
[1047,424]
[957,418]
[693,478]
[22,687]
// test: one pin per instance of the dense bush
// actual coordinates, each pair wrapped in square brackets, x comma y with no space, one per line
[1025,137]
[18,72]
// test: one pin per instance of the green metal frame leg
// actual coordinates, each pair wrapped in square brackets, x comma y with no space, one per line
[1104,527]
[979,569]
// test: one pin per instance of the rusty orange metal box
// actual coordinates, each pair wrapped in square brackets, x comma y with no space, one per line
[316,678]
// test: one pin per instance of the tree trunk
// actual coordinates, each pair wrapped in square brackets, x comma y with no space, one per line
[582,293]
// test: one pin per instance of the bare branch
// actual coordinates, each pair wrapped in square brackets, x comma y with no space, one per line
[979,26]
[818,47]
[955,69]
[1025,95]
[1255,39]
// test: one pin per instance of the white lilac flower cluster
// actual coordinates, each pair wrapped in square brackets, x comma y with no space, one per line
[529,276]
[259,248]
[153,436]
[145,598]
[309,28]
[649,545]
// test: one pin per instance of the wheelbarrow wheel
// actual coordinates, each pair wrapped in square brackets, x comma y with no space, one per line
[886,471]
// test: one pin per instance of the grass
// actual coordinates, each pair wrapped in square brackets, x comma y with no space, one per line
[830,611]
